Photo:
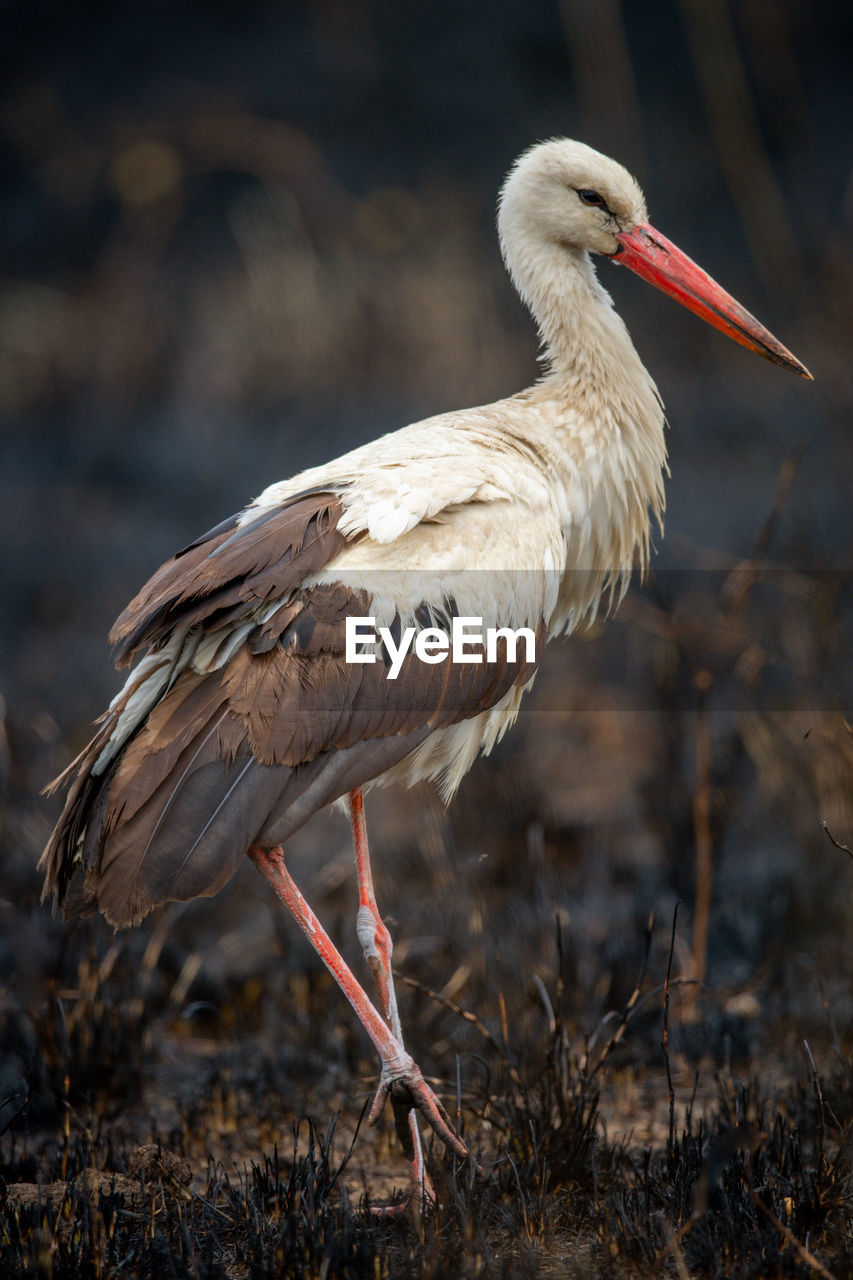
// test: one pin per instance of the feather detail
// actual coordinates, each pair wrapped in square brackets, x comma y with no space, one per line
[236,567]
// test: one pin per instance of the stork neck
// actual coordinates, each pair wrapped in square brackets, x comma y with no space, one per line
[594,369]
[586,345]
[585,341]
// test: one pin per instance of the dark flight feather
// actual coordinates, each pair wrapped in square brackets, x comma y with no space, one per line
[243,754]
[215,580]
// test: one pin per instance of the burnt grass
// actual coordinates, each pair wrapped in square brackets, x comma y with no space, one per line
[759,1186]
[733,1196]
[162,1121]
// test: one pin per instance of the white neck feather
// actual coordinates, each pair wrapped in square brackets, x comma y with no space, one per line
[584,340]
[592,365]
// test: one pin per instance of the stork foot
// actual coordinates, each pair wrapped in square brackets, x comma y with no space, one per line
[421,1198]
[420,1201]
[402,1081]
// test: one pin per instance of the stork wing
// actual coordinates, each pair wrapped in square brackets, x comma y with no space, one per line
[233,568]
[260,725]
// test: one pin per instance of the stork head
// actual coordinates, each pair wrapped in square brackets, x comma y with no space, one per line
[562,198]
[563,193]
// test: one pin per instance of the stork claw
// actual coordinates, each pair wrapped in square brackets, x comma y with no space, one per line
[404,1083]
[420,1200]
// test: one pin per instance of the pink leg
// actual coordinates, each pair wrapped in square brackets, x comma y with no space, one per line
[401,1079]
[377,946]
[372,933]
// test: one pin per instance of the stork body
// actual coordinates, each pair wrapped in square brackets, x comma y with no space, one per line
[243,715]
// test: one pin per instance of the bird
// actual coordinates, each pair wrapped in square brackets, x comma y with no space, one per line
[271,675]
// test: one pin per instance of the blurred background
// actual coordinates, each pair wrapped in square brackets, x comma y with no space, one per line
[238,239]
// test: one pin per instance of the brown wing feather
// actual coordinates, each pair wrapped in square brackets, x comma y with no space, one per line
[244,754]
[186,799]
[220,575]
[215,580]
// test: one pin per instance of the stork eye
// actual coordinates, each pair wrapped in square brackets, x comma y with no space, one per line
[590,197]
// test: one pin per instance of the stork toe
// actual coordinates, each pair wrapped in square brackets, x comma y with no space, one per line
[402,1081]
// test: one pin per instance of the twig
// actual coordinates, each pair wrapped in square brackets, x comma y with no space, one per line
[738,585]
[784,483]
[641,1004]
[843,847]
[792,1240]
[504,1021]
[603,76]
[671,1144]
[546,1002]
[13,1097]
[629,1007]
[702,828]
[733,122]
[655,991]
[348,1156]
[672,1243]
[818,1093]
[836,1042]
[461,1013]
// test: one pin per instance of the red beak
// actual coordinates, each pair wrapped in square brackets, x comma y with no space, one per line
[659,261]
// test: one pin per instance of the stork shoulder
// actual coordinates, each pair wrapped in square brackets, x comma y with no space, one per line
[392,484]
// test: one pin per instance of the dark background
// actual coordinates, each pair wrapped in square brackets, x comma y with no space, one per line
[239,239]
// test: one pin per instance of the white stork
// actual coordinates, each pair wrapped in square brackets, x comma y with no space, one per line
[243,716]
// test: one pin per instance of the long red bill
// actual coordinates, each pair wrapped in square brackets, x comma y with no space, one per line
[662,263]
